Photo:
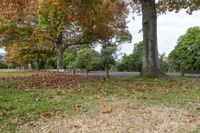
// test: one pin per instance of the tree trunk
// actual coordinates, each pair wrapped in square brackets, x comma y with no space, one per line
[60,49]
[150,66]
[38,66]
[60,62]
[74,71]
[32,66]
[107,71]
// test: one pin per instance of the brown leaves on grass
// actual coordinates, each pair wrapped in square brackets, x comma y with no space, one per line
[49,80]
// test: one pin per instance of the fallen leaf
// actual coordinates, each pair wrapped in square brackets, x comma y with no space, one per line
[108,111]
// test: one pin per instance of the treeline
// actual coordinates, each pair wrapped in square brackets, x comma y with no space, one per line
[32,32]
[86,59]
[185,58]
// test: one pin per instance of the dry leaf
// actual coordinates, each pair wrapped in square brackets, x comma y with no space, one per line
[108,111]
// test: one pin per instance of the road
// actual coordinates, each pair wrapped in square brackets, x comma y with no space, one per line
[126,74]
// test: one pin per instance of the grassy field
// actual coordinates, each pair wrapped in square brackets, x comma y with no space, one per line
[27,97]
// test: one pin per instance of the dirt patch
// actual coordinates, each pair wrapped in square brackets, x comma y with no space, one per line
[117,119]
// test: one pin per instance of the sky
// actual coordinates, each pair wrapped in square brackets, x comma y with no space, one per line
[170,27]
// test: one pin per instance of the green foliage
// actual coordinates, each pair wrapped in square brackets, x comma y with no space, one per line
[124,37]
[51,19]
[87,58]
[70,60]
[50,63]
[29,53]
[186,54]
[132,62]
[107,56]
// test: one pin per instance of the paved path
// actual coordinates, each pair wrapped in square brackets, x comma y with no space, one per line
[127,74]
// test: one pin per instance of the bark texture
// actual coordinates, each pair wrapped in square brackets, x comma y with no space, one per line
[60,50]
[151,66]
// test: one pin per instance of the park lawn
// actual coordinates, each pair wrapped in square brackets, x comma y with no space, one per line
[29,96]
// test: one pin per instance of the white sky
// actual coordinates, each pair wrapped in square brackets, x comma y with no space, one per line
[170,27]
[1,51]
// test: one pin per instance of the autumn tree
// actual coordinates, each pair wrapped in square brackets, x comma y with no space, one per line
[67,23]
[17,9]
[77,22]
[112,31]
[54,22]
[17,38]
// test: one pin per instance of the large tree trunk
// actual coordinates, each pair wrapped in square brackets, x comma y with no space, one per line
[60,50]
[150,66]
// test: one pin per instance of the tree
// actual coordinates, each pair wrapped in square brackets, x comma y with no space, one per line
[52,23]
[133,62]
[22,48]
[151,66]
[107,58]
[186,54]
[25,53]
[86,59]
[71,55]
[70,23]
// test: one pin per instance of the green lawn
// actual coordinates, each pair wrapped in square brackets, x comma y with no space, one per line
[20,103]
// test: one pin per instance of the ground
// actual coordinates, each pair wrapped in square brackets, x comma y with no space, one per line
[54,102]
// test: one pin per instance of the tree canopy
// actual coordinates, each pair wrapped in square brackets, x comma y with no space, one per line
[132,62]
[187,52]
[60,24]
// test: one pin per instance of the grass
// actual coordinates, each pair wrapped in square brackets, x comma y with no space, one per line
[22,105]
[4,73]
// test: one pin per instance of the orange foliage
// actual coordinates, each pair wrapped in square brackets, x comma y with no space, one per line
[16,9]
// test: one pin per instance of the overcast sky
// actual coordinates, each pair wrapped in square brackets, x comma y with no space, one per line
[170,27]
